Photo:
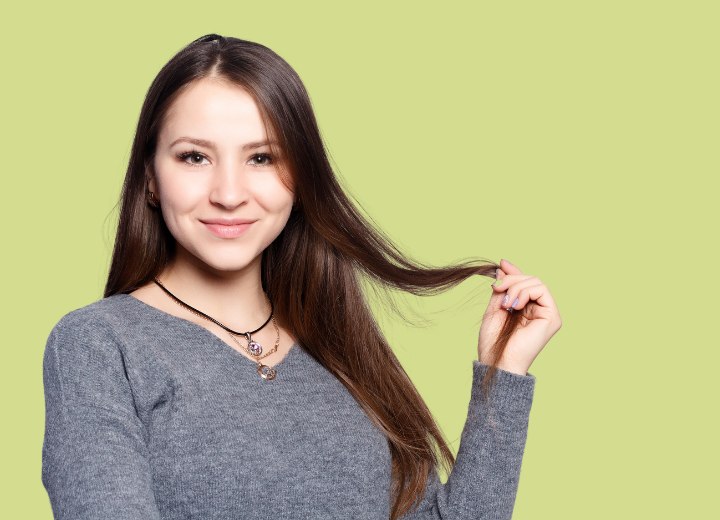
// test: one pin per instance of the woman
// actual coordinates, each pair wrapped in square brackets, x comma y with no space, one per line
[233,368]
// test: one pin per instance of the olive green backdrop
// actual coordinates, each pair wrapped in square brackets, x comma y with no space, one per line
[576,139]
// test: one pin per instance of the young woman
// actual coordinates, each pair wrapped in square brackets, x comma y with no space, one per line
[233,368]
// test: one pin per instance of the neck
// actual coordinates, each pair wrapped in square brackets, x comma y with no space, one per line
[234,298]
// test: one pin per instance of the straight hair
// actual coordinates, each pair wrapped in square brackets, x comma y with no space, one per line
[314,270]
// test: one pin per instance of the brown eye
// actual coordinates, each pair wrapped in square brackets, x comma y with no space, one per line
[193,156]
[262,159]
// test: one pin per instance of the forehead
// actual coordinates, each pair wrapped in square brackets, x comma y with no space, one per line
[215,110]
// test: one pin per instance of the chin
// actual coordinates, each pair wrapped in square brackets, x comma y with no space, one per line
[222,259]
[229,265]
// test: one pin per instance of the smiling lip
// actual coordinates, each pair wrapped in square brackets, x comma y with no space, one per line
[227,228]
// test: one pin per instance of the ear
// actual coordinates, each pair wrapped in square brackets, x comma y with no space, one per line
[150,179]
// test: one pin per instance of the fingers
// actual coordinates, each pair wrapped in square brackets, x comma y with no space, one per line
[505,281]
[520,289]
[517,293]
[513,285]
[522,292]
[507,273]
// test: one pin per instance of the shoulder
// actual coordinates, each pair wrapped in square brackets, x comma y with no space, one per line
[85,357]
[100,318]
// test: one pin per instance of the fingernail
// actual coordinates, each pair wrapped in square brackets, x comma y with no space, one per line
[517,300]
[505,300]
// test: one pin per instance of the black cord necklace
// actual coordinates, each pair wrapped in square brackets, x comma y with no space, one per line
[253,348]
[193,309]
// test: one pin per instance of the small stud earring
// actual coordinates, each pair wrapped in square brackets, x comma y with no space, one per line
[154,202]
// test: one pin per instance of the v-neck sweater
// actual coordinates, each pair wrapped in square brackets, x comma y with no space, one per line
[152,416]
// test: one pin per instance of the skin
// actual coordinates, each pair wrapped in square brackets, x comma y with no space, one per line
[541,322]
[219,276]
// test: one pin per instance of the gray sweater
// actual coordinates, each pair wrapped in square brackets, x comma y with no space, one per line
[151,416]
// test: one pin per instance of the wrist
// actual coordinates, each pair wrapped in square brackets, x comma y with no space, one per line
[515,368]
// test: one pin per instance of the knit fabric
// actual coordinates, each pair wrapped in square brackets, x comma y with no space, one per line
[151,416]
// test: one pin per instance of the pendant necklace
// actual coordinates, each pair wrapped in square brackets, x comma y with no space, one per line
[253,348]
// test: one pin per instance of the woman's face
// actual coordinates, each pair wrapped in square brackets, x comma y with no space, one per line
[213,164]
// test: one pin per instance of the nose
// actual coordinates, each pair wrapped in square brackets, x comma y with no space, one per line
[229,186]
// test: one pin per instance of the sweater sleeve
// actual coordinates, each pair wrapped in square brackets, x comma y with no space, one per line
[484,480]
[94,454]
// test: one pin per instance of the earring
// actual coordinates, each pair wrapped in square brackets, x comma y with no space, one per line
[152,200]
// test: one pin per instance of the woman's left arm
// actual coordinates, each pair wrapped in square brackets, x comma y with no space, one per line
[484,480]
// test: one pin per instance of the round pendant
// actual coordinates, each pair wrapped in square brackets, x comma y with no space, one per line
[255,348]
[266,372]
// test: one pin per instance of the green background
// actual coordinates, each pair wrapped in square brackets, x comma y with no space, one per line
[576,139]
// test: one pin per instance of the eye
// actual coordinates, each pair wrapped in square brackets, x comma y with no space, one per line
[262,159]
[194,155]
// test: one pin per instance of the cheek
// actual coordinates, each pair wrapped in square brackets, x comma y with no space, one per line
[178,200]
[180,194]
[274,197]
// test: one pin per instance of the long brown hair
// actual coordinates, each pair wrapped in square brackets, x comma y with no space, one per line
[313,271]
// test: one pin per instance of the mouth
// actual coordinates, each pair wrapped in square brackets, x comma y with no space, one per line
[228,221]
[232,230]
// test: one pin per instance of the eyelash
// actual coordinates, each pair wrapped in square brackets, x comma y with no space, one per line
[184,155]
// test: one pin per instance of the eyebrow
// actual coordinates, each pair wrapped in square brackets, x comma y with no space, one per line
[210,144]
